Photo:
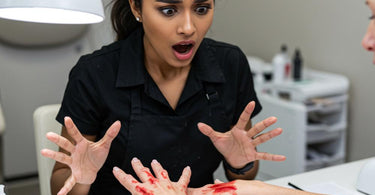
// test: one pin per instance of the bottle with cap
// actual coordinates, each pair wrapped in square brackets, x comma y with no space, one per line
[297,65]
[281,65]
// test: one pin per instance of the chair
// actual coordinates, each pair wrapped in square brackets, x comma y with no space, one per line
[44,121]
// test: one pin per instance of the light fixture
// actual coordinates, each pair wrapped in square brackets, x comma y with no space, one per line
[53,11]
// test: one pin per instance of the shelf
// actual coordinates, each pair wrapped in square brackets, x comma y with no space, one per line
[324,161]
[326,104]
[319,136]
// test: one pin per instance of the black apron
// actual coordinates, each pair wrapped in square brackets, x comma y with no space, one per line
[175,141]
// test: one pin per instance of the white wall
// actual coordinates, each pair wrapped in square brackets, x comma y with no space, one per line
[329,34]
[31,77]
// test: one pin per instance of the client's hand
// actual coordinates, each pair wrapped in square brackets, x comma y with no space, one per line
[161,185]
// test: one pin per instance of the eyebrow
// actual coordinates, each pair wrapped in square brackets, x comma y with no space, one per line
[179,1]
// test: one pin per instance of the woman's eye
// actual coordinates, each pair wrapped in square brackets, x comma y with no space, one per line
[168,11]
[202,10]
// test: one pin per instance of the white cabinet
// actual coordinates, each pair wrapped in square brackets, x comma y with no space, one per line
[313,115]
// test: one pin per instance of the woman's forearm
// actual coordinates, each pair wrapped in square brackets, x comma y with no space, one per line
[59,178]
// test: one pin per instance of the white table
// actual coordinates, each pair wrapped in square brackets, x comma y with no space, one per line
[345,175]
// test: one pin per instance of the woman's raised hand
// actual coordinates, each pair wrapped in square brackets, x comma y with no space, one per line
[158,185]
[86,157]
[238,146]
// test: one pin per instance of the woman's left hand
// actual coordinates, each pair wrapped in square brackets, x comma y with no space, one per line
[158,185]
[238,146]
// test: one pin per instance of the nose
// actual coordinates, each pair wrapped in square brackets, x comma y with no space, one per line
[186,26]
[368,41]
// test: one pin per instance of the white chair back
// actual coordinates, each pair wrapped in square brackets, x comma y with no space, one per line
[44,121]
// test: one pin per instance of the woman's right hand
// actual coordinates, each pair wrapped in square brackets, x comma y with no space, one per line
[86,157]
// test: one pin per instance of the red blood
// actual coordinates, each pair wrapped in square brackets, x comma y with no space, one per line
[133,181]
[143,190]
[224,187]
[151,179]
[164,174]
[169,187]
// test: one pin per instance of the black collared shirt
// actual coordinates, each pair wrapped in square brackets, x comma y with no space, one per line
[98,91]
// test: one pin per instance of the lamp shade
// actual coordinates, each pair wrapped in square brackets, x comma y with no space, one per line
[53,11]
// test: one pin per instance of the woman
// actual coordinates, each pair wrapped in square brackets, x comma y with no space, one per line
[180,98]
[162,185]
[368,41]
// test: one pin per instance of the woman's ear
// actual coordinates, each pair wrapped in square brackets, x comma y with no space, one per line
[135,10]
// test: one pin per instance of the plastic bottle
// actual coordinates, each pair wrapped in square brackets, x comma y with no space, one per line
[2,190]
[297,65]
[281,65]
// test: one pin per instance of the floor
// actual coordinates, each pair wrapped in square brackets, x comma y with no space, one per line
[28,186]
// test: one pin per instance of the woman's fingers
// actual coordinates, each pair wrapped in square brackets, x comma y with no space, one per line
[111,133]
[61,141]
[208,131]
[69,184]
[73,130]
[266,136]
[260,126]
[142,172]
[128,181]
[245,115]
[57,156]
[159,171]
[269,157]
[185,177]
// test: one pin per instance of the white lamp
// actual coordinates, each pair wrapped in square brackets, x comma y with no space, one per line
[53,11]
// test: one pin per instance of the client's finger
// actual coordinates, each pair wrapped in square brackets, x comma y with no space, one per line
[185,177]
[159,171]
[142,172]
[128,181]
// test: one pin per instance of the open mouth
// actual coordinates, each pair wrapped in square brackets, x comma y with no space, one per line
[182,48]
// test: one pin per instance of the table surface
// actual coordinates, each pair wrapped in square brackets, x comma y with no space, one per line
[345,175]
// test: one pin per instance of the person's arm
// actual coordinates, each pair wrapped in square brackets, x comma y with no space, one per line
[246,187]
[79,158]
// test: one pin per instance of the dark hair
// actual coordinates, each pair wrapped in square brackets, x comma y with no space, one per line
[122,18]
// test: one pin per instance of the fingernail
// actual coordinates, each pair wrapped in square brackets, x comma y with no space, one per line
[154,161]
[135,159]
[188,168]
[116,169]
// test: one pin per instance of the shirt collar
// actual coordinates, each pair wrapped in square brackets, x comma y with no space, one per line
[131,70]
